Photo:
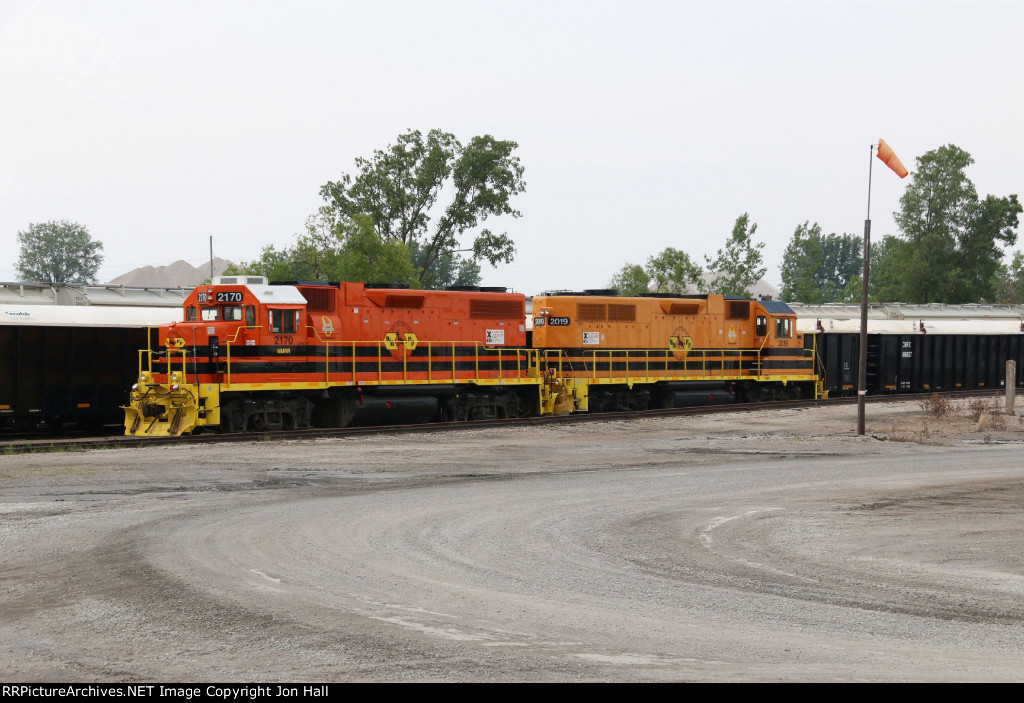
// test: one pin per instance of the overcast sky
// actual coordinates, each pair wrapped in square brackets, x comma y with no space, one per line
[641,124]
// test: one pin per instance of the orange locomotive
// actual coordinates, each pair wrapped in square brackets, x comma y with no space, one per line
[672,350]
[250,356]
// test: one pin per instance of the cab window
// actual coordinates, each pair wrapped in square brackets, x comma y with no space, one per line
[233,313]
[250,315]
[762,326]
[210,313]
[783,327]
[190,313]
[283,321]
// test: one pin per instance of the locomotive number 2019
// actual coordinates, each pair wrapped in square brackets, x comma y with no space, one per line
[558,321]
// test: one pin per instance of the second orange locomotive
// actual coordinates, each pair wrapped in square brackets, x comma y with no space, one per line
[670,351]
[250,356]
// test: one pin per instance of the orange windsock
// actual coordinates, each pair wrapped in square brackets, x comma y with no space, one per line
[891,160]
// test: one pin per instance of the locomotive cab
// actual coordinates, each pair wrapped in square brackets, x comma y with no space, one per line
[781,355]
[233,319]
[775,326]
[252,314]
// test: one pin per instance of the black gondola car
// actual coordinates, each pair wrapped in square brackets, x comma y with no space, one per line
[918,363]
[61,363]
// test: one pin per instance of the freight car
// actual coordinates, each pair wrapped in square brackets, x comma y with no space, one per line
[921,355]
[68,363]
[249,355]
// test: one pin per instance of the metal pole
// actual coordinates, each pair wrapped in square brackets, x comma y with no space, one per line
[211,256]
[1011,385]
[862,366]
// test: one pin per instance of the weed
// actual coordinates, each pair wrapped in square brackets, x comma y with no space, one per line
[937,405]
[991,421]
[976,407]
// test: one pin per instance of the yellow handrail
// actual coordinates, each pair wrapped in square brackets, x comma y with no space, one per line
[709,360]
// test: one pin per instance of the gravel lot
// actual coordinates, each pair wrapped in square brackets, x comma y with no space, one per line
[764,546]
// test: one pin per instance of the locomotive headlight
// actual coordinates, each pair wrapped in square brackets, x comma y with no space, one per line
[174,376]
[135,386]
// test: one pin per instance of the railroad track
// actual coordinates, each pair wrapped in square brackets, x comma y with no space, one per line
[24,444]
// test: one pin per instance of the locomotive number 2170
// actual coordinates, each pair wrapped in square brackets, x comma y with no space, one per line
[222,297]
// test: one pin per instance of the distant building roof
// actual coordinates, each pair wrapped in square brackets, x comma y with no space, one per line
[22,294]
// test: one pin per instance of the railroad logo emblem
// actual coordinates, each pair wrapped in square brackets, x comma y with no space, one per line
[393,341]
[732,334]
[325,325]
[680,343]
[400,341]
[680,346]
[175,342]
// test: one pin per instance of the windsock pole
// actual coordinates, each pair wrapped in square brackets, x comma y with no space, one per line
[885,153]
[862,362]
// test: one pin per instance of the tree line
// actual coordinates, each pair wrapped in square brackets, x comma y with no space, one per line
[950,249]
[413,213]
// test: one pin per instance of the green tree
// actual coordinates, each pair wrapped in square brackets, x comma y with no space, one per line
[365,256]
[315,255]
[332,250]
[450,269]
[951,242]
[631,279]
[738,266]
[817,268]
[673,271]
[276,265]
[399,189]
[1010,281]
[58,252]
[885,284]
[853,292]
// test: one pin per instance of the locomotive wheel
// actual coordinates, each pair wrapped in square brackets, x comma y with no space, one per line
[232,416]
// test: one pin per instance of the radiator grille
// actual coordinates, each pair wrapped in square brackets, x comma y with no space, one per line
[404,301]
[738,309]
[590,312]
[621,313]
[496,309]
[319,299]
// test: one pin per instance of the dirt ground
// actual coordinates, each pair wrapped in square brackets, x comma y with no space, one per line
[748,546]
